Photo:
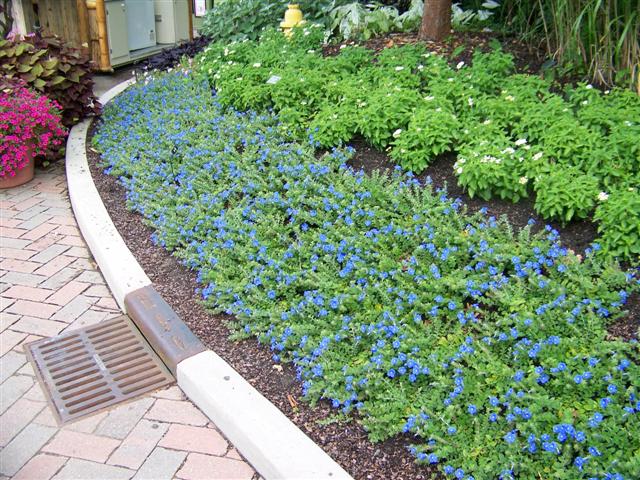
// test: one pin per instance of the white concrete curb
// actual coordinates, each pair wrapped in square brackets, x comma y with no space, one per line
[264,435]
[273,445]
[121,271]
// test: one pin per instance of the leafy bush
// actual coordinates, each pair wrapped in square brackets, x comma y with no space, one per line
[385,111]
[493,168]
[432,130]
[30,125]
[241,19]
[55,68]
[334,124]
[489,349]
[362,20]
[566,193]
[618,215]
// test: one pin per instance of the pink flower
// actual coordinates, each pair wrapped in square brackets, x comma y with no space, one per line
[29,125]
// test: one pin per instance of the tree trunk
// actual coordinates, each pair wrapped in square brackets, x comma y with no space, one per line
[436,20]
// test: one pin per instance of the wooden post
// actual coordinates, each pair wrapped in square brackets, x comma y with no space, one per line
[83,23]
[190,4]
[103,40]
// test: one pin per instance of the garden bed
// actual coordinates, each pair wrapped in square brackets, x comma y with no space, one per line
[344,440]
[491,345]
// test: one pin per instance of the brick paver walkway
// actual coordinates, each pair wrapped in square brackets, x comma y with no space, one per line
[48,284]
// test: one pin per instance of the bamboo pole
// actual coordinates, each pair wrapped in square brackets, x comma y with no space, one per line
[83,23]
[103,41]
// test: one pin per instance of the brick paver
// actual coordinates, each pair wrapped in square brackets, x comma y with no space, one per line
[49,284]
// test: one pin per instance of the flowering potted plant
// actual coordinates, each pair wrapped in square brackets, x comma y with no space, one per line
[30,126]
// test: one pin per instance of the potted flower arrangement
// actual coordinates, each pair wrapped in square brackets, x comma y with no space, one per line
[30,125]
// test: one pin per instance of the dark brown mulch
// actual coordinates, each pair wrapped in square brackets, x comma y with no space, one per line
[345,441]
[462,44]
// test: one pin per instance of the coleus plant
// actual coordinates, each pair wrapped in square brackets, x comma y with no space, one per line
[55,68]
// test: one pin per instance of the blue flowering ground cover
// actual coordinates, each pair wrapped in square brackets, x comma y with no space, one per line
[394,303]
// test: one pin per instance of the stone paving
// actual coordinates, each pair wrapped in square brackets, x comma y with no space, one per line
[50,284]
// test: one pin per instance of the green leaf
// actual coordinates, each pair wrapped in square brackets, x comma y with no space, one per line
[56,80]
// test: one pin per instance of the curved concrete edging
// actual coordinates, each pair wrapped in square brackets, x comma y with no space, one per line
[273,445]
[121,271]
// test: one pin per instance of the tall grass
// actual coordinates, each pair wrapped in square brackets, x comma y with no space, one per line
[596,38]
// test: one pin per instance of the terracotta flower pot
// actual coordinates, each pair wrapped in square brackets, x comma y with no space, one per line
[21,177]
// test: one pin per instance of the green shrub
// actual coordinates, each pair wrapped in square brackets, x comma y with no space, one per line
[359,21]
[385,111]
[432,130]
[618,217]
[493,167]
[55,68]
[489,69]
[334,124]
[565,194]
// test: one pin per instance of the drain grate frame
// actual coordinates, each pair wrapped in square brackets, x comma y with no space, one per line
[97,367]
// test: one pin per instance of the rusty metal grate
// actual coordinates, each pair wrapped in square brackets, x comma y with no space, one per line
[93,368]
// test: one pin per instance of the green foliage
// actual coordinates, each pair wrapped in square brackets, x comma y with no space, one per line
[236,20]
[358,21]
[489,70]
[385,111]
[566,193]
[618,216]
[6,19]
[432,130]
[52,67]
[240,19]
[488,350]
[334,124]
[493,167]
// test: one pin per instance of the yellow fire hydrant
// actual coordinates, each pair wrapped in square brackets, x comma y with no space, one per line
[292,18]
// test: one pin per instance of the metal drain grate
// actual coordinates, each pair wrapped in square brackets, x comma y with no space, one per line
[96,367]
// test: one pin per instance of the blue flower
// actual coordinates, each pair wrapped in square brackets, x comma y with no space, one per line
[511,436]
[579,462]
